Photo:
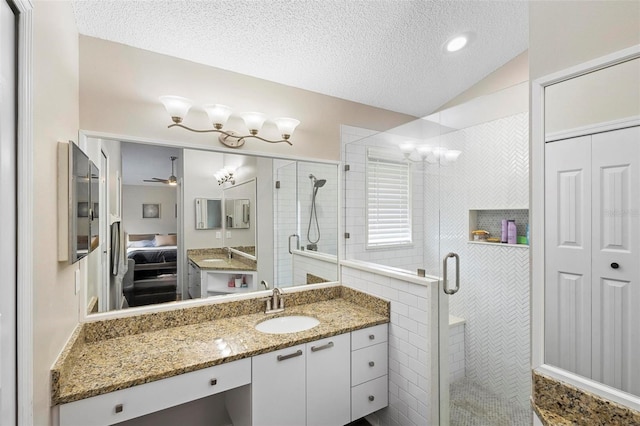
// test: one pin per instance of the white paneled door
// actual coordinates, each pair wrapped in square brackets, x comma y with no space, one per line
[592,257]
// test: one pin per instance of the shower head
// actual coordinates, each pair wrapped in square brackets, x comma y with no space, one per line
[317,183]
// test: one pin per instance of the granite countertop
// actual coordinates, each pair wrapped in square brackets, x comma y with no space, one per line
[233,264]
[236,263]
[118,354]
[558,404]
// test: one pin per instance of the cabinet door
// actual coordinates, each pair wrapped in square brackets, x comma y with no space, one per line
[328,381]
[278,388]
[568,254]
[615,255]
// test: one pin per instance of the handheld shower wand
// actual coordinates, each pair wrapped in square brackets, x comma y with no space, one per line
[317,183]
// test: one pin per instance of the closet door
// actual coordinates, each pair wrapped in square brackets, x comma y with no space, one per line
[568,254]
[616,259]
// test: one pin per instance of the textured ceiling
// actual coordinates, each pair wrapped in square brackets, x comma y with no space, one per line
[387,54]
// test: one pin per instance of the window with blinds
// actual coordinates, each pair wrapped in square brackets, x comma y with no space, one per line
[388,179]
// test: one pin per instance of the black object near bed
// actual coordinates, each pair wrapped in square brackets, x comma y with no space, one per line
[152,269]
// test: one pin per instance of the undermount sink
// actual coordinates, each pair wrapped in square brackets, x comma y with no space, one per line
[214,260]
[287,324]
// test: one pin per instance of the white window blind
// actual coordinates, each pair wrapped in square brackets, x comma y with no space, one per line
[388,199]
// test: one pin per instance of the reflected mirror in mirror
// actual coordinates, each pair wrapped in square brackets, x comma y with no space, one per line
[208,213]
[168,259]
[236,213]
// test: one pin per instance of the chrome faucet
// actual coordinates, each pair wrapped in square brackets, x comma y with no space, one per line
[277,300]
[275,303]
[228,249]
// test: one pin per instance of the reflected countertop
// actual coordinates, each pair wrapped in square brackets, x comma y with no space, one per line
[108,355]
[217,260]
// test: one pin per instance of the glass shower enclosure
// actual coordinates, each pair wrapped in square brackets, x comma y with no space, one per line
[441,187]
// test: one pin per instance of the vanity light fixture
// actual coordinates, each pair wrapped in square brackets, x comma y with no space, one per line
[178,107]
[429,154]
[225,175]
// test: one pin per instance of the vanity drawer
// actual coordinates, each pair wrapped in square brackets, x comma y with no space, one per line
[143,399]
[369,363]
[369,397]
[368,336]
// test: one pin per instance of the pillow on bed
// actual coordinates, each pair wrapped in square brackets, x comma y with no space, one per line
[165,240]
[142,243]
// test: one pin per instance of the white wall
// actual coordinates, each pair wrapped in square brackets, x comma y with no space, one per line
[265,235]
[567,33]
[199,182]
[597,97]
[134,196]
[55,117]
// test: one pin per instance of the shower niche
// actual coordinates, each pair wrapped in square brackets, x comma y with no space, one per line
[490,220]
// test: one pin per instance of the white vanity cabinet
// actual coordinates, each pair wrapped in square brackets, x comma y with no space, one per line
[126,404]
[369,370]
[278,385]
[331,381]
[328,383]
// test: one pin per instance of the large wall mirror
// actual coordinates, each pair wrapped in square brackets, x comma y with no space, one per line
[198,237]
[591,226]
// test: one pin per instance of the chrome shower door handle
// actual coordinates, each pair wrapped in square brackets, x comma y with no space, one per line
[297,242]
[445,286]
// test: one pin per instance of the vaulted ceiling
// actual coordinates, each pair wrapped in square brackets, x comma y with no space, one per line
[384,53]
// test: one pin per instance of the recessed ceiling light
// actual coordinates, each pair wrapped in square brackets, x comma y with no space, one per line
[456,43]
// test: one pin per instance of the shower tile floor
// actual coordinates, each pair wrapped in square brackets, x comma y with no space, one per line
[473,405]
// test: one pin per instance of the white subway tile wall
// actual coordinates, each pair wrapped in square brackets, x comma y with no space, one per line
[303,265]
[409,348]
[456,352]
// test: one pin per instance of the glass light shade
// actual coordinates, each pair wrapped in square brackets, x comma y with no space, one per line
[452,155]
[424,150]
[286,126]
[439,151]
[254,121]
[406,147]
[176,106]
[218,114]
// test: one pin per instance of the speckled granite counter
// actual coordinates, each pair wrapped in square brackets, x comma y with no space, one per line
[109,355]
[557,404]
[236,263]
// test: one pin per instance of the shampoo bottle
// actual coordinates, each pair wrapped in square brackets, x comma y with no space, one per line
[512,232]
[503,236]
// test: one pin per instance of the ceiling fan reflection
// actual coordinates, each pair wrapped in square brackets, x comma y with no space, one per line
[172,180]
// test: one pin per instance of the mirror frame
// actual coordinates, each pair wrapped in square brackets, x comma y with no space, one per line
[84,135]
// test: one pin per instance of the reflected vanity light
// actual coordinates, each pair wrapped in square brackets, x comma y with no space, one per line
[178,107]
[225,175]
[429,154]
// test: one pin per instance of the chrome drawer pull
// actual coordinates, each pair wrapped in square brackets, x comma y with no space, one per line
[319,348]
[119,408]
[371,397]
[371,363]
[293,355]
[213,382]
[372,336]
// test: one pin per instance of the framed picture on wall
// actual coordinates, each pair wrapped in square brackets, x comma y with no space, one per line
[151,211]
